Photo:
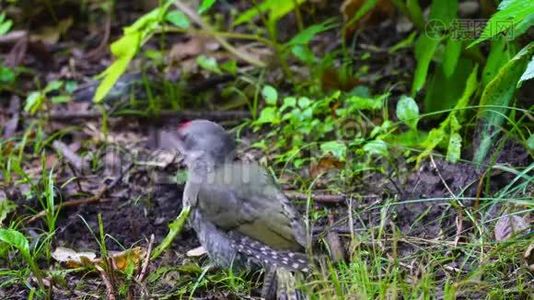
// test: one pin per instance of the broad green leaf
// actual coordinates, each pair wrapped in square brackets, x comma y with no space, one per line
[208,63]
[408,111]
[424,50]
[304,102]
[336,148]
[205,5]
[6,75]
[6,207]
[416,14]
[497,57]
[454,148]
[60,99]
[15,239]
[434,138]
[523,26]
[377,147]
[362,103]
[443,10]
[510,14]
[178,18]
[124,51]
[470,88]
[230,66]
[435,97]
[304,53]
[452,123]
[278,9]
[529,72]
[453,50]
[53,86]
[267,115]
[270,94]
[530,142]
[33,102]
[289,102]
[5,26]
[499,92]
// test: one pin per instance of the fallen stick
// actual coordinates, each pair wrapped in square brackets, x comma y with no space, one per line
[96,198]
[189,115]
[320,198]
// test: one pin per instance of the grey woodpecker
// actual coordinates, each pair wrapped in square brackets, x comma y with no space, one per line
[240,215]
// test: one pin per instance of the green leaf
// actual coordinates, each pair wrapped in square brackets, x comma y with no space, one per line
[435,97]
[306,35]
[510,14]
[529,72]
[5,27]
[6,207]
[443,10]
[455,140]
[363,103]
[336,148]
[377,147]
[267,115]
[289,102]
[497,57]
[304,54]
[270,94]
[208,63]
[53,86]
[424,50]
[454,148]
[33,102]
[530,142]
[304,102]
[453,50]
[408,111]
[434,138]
[205,5]
[230,66]
[499,92]
[60,99]
[6,75]
[178,18]
[416,14]
[15,239]
[124,51]
[278,9]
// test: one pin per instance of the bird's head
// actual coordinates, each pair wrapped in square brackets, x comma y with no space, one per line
[205,141]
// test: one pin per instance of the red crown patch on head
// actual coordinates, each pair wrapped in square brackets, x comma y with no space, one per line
[184,124]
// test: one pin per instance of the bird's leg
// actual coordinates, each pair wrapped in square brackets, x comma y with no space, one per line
[268,291]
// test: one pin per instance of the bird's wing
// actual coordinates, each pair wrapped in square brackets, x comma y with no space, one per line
[244,198]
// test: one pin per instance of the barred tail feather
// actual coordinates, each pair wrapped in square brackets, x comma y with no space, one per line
[268,257]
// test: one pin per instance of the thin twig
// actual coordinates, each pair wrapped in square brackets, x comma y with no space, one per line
[142,274]
[224,43]
[109,287]
[96,198]
[320,198]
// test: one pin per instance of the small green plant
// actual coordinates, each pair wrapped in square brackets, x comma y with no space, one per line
[17,240]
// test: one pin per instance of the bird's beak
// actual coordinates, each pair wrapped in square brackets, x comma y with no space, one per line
[170,140]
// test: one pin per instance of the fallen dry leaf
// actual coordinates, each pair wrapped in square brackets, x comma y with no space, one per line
[120,259]
[72,258]
[198,251]
[383,10]
[509,225]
